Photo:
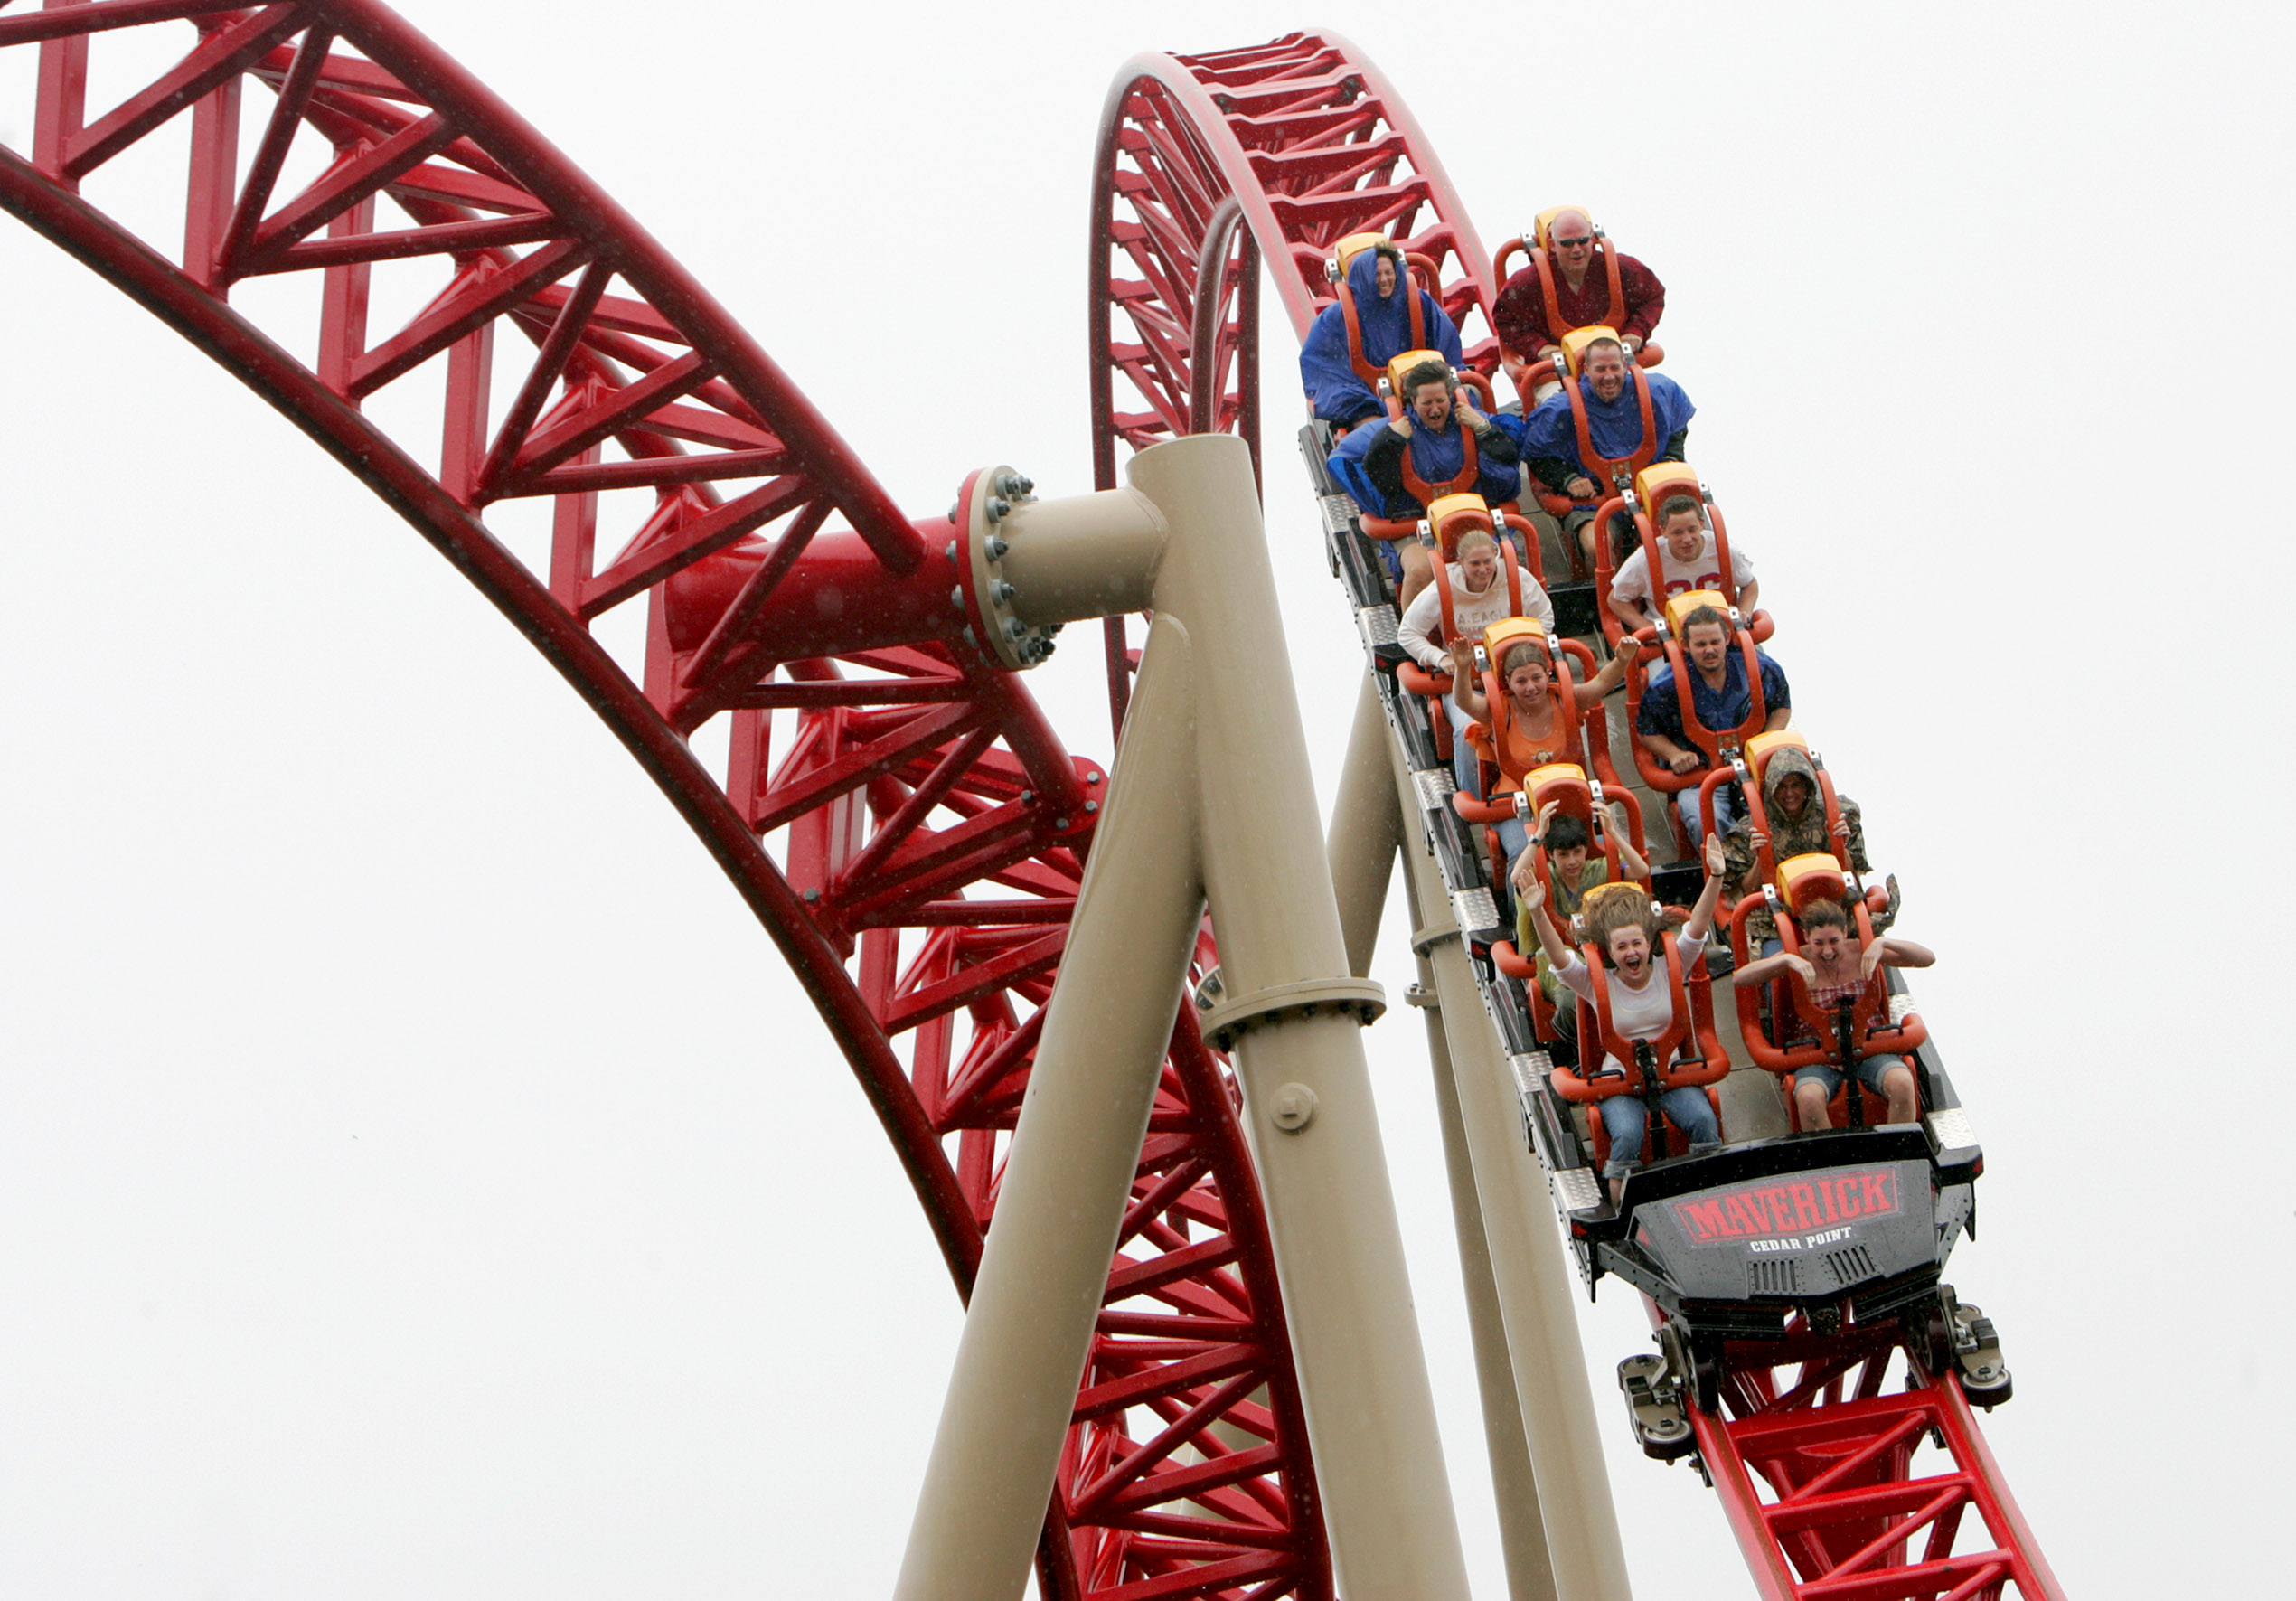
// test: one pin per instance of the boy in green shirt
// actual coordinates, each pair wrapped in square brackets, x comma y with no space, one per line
[1572,870]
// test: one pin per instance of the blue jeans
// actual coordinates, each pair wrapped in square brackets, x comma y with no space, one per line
[1389,558]
[1725,810]
[1624,1116]
[1514,837]
[1466,770]
[1466,767]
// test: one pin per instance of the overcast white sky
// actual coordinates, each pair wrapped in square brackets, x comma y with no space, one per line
[417,1174]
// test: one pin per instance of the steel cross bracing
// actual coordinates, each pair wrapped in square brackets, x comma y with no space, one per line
[1853,1512]
[929,827]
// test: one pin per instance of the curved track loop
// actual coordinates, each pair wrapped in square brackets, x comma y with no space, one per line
[930,827]
[1311,143]
[1304,142]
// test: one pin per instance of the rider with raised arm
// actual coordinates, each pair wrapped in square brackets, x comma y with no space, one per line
[1572,870]
[1687,553]
[1721,698]
[1641,1004]
[1798,827]
[1837,972]
[1529,727]
[1379,283]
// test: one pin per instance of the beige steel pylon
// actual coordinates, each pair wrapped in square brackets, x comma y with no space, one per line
[1207,795]
[1558,1523]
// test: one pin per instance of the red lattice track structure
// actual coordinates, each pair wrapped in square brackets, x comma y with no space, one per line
[1848,1494]
[1206,164]
[928,827]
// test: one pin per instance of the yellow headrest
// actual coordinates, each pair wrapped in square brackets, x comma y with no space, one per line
[1400,364]
[1470,508]
[1578,339]
[1682,606]
[1509,632]
[1603,892]
[1543,229]
[1662,480]
[1803,881]
[1561,780]
[1353,246]
[1758,748]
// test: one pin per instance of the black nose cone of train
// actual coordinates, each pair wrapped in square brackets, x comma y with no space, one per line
[1819,1234]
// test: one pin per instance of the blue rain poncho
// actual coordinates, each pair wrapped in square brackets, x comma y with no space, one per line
[1337,394]
[1615,426]
[1435,457]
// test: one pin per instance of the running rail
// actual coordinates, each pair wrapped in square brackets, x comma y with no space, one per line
[1298,144]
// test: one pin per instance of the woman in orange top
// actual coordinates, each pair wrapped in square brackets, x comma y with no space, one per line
[1528,727]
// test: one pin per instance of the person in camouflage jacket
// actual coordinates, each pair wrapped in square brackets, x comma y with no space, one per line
[1797,819]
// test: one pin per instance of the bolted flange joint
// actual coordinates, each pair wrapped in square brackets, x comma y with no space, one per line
[1226,1017]
[983,592]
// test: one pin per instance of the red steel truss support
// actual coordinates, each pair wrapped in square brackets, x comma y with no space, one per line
[1308,142]
[1829,1492]
[926,828]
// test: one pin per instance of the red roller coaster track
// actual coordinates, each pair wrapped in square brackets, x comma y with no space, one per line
[930,825]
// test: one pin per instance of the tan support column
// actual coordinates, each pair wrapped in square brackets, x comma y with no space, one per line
[1522,1537]
[1366,829]
[1307,1091]
[1069,1174]
[1535,1283]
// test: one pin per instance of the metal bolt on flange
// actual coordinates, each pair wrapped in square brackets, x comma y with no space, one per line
[1292,1108]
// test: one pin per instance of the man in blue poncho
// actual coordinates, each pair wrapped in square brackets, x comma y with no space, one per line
[1548,435]
[1338,370]
[1441,445]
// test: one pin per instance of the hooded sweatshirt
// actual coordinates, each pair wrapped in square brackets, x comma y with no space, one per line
[1798,837]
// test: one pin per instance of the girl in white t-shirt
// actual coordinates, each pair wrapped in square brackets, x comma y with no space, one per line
[1641,1005]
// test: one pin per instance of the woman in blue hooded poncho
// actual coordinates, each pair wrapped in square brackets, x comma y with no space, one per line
[1336,387]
